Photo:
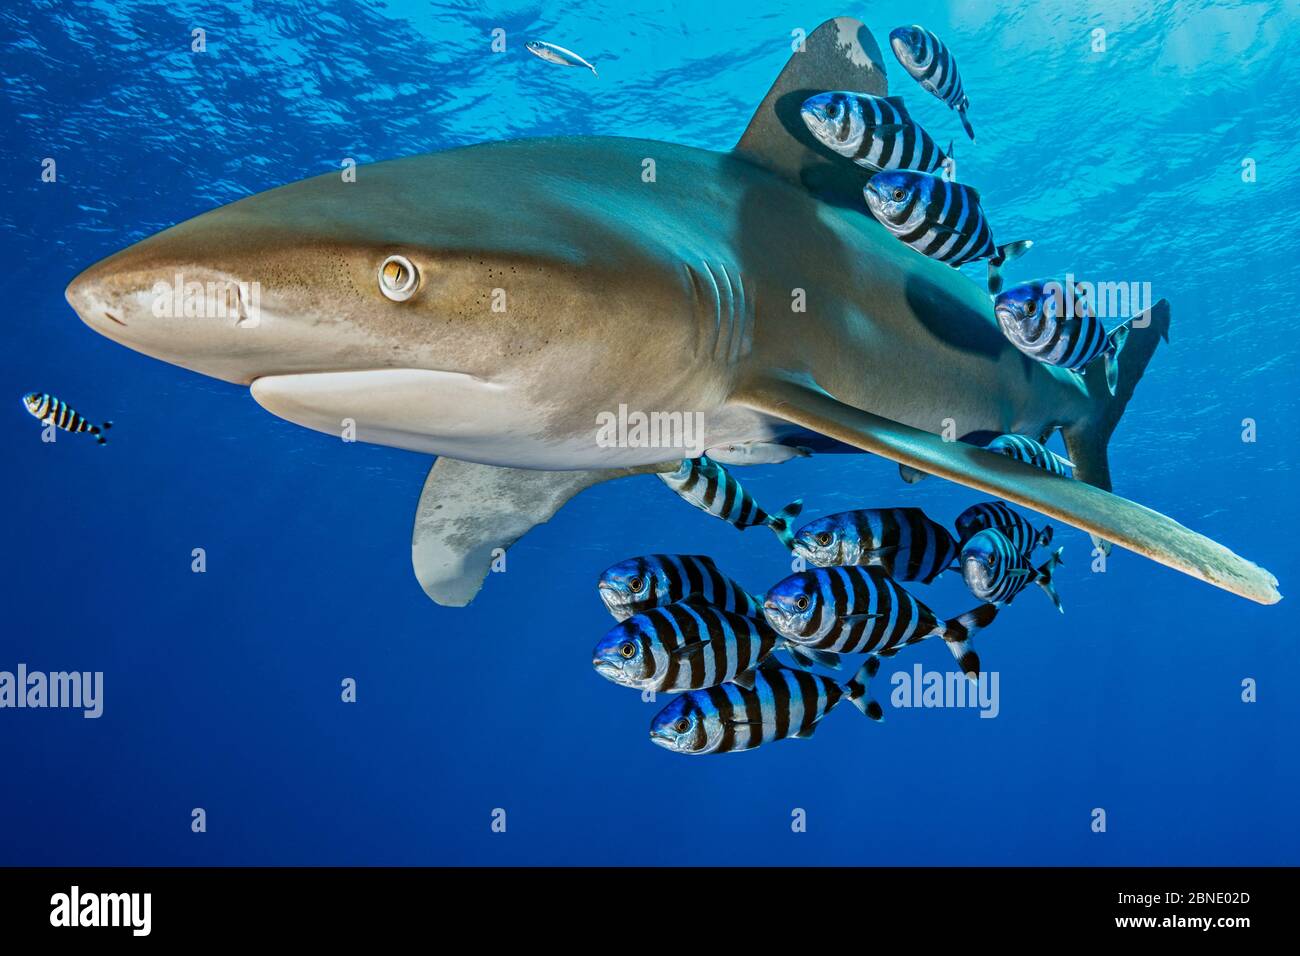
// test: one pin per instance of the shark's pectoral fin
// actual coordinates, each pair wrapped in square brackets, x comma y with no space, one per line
[470,514]
[1109,516]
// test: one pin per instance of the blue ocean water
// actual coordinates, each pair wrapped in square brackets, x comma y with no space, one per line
[222,689]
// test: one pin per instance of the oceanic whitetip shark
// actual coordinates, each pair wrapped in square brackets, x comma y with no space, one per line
[666,293]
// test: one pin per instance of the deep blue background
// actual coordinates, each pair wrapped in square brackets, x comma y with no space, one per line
[222,689]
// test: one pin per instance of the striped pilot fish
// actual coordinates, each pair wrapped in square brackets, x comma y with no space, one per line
[557,55]
[1031,452]
[710,487]
[684,647]
[1054,323]
[875,132]
[783,702]
[939,219]
[926,59]
[996,514]
[56,412]
[653,580]
[862,610]
[903,541]
[996,571]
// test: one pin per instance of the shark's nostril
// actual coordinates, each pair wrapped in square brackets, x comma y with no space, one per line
[113,317]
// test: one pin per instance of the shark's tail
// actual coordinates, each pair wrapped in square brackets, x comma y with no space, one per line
[1086,440]
[780,522]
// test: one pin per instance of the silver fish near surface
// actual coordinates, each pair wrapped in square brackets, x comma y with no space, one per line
[928,61]
[756,453]
[875,132]
[654,580]
[1053,322]
[862,610]
[54,411]
[1031,452]
[903,541]
[710,487]
[995,570]
[939,219]
[998,515]
[557,54]
[783,702]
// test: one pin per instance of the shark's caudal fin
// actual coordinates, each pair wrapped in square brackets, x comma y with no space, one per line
[470,514]
[1082,505]
[841,54]
[1086,441]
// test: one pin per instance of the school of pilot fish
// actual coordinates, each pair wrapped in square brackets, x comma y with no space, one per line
[686,628]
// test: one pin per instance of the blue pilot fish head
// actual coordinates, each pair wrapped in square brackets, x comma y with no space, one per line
[896,196]
[631,586]
[825,542]
[623,654]
[908,44]
[982,561]
[684,727]
[1028,313]
[792,607]
[835,119]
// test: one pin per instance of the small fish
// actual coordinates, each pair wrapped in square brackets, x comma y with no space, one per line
[709,486]
[683,647]
[55,412]
[939,219]
[862,610]
[783,702]
[903,541]
[875,132]
[654,580]
[1023,448]
[756,453]
[926,59]
[1053,322]
[996,514]
[996,571]
[557,54]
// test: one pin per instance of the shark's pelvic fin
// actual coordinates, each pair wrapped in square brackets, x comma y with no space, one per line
[467,512]
[841,54]
[1079,504]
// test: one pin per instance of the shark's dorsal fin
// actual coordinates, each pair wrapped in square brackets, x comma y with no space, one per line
[840,54]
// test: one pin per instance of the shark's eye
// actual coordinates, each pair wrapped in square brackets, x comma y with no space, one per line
[1031,308]
[898,194]
[398,278]
[628,650]
[682,725]
[637,585]
[824,538]
[801,602]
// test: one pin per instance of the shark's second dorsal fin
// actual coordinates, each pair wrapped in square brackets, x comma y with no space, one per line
[840,54]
